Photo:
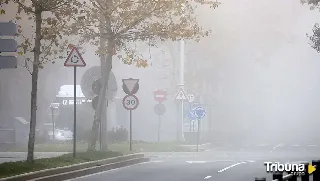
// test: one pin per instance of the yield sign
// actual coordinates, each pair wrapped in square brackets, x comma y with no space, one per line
[130,84]
[181,95]
[74,59]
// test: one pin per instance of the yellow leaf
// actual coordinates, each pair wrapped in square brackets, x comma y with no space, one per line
[20,53]
[2,11]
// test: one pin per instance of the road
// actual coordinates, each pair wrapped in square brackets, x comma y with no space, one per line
[221,163]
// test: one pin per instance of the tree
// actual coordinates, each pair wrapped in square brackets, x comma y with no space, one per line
[315,37]
[43,21]
[125,23]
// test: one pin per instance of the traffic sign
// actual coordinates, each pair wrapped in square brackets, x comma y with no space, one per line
[96,86]
[7,62]
[74,59]
[160,95]
[191,97]
[199,112]
[8,45]
[160,109]
[181,95]
[8,29]
[91,75]
[130,86]
[94,103]
[191,115]
[130,102]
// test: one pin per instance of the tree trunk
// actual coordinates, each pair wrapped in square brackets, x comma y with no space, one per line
[106,67]
[35,72]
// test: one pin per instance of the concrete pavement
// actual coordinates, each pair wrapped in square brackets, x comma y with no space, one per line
[219,163]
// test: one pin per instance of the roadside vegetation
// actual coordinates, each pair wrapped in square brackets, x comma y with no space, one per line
[20,167]
[122,147]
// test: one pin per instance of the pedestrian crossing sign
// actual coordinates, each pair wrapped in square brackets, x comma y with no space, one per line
[181,94]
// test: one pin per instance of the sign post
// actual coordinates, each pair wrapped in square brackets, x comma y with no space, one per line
[199,113]
[159,109]
[181,96]
[74,60]
[130,101]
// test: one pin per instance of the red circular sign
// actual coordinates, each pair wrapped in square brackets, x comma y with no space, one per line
[130,102]
[160,95]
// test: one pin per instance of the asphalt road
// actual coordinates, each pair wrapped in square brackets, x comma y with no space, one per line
[221,163]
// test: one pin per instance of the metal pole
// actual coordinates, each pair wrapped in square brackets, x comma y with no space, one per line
[74,110]
[182,84]
[190,119]
[100,136]
[52,123]
[159,127]
[198,134]
[130,130]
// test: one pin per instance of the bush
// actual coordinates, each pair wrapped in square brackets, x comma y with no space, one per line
[119,134]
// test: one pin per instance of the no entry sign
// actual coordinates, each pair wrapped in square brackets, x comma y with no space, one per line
[160,95]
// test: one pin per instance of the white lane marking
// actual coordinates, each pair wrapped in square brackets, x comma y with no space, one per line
[277,146]
[196,161]
[296,145]
[224,169]
[251,161]
[112,170]
[207,177]
[156,161]
[312,145]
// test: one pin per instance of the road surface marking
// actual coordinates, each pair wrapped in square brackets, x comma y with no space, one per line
[207,177]
[276,147]
[157,161]
[312,145]
[251,161]
[222,170]
[295,145]
[196,161]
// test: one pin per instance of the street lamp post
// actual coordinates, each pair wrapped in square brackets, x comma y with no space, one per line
[54,111]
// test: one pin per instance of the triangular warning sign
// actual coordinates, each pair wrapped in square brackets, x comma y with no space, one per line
[181,95]
[75,59]
[130,83]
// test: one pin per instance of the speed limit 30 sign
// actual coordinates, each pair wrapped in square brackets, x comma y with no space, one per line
[130,102]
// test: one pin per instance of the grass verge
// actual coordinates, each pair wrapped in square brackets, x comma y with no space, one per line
[117,147]
[15,168]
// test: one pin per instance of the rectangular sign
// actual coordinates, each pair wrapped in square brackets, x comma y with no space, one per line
[8,29]
[7,62]
[8,45]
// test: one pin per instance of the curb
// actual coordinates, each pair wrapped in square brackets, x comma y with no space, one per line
[92,170]
[76,169]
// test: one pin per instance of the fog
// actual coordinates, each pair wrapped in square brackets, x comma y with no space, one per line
[256,76]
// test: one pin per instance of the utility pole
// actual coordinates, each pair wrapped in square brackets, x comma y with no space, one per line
[182,84]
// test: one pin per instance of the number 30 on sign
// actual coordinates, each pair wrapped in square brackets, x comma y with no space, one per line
[130,102]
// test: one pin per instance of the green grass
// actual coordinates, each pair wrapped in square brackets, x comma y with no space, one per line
[15,168]
[117,147]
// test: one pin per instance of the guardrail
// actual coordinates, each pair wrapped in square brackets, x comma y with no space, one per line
[279,176]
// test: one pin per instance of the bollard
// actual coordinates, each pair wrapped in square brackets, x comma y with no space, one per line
[277,176]
[306,175]
[316,173]
[260,179]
